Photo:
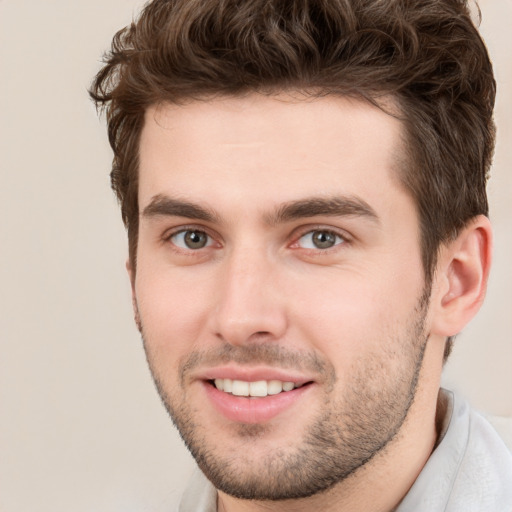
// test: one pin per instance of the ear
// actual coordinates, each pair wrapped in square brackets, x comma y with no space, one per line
[461,277]
[131,275]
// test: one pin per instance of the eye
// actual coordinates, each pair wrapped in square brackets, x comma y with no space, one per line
[319,239]
[191,239]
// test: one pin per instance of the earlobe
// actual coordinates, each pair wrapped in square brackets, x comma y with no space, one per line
[131,275]
[462,273]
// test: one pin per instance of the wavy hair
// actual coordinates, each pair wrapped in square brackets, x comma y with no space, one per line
[425,54]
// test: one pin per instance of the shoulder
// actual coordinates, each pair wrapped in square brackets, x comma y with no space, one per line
[469,471]
[484,477]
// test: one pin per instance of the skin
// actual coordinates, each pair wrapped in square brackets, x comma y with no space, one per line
[355,321]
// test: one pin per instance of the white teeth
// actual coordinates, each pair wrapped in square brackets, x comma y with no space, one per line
[228,385]
[288,386]
[240,388]
[274,387]
[260,388]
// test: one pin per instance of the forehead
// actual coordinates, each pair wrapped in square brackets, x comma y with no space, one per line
[278,148]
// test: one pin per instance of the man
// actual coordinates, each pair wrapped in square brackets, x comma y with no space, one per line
[303,184]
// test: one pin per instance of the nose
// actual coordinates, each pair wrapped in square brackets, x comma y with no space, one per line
[250,306]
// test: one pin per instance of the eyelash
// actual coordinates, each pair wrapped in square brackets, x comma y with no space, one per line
[168,236]
[342,236]
[310,230]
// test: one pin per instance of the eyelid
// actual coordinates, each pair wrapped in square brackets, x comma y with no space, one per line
[296,236]
[304,230]
[169,233]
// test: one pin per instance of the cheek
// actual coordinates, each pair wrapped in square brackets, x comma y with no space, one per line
[355,313]
[173,310]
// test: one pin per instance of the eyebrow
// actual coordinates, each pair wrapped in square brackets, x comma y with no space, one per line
[337,206]
[161,205]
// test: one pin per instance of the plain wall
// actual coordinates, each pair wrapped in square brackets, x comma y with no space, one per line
[81,426]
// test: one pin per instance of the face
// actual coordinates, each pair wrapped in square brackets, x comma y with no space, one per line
[279,287]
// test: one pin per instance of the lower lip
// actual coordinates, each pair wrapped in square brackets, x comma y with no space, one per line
[253,410]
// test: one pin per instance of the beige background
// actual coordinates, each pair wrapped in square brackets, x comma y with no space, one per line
[81,427]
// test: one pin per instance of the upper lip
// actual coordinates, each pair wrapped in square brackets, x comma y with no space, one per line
[251,374]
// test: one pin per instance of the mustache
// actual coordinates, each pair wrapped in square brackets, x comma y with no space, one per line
[266,353]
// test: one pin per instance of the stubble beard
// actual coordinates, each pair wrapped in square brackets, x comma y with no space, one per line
[347,436]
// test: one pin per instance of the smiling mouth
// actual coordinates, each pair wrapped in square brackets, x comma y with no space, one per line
[259,389]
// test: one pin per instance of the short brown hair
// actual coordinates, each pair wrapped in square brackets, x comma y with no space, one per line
[426,54]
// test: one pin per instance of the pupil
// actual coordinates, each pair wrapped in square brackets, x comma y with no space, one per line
[324,239]
[195,239]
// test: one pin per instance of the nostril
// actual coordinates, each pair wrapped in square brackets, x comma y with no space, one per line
[258,336]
